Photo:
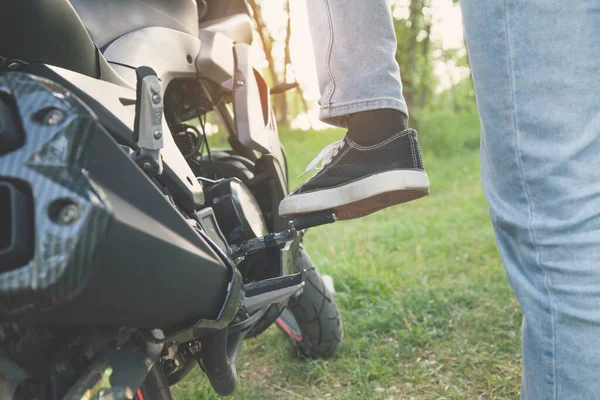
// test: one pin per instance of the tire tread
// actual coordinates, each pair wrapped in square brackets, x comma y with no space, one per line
[316,313]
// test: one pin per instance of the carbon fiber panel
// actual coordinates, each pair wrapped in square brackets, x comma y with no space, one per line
[121,254]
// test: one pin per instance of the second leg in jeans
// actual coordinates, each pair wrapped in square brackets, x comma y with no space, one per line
[378,164]
[535,66]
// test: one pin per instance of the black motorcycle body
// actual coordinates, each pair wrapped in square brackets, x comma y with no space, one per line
[114,262]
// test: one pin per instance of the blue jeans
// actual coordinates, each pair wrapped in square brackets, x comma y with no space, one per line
[355,47]
[536,68]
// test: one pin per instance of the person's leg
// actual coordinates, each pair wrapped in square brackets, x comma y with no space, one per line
[378,164]
[355,46]
[535,66]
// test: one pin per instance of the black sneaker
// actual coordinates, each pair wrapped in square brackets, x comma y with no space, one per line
[356,180]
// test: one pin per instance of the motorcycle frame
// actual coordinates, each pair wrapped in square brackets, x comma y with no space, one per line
[215,58]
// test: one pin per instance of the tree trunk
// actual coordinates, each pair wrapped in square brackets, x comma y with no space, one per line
[279,102]
[265,38]
[415,13]
[424,85]
[287,61]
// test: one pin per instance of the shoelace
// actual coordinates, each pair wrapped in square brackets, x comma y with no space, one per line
[324,157]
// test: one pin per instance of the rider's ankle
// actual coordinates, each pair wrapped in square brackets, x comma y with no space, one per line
[371,127]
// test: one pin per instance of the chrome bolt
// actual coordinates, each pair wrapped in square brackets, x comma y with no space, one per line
[240,83]
[53,116]
[195,348]
[156,98]
[69,214]
[146,165]
[157,134]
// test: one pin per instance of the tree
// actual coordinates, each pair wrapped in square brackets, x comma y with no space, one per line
[265,38]
[414,52]
[278,70]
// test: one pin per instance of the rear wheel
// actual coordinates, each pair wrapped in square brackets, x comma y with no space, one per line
[312,319]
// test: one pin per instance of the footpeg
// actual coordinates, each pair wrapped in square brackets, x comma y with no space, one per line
[274,290]
[312,220]
[299,223]
[264,242]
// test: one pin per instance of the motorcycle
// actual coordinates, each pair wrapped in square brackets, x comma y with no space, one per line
[130,250]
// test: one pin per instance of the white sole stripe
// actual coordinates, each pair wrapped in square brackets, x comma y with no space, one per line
[384,182]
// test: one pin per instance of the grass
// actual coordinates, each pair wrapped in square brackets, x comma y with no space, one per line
[427,309]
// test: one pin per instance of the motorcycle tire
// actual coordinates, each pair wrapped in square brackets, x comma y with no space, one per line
[312,319]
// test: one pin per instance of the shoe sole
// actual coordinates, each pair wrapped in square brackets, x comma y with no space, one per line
[362,197]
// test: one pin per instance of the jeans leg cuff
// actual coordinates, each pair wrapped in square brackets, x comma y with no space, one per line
[338,114]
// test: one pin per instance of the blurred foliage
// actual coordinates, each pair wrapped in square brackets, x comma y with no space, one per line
[417,53]
[446,133]
[414,53]
[279,70]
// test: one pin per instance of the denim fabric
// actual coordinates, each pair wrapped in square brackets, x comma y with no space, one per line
[355,45]
[536,66]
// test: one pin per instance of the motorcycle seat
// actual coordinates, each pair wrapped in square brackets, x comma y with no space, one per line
[107,20]
[47,32]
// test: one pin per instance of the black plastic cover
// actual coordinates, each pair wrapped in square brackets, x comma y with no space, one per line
[48,32]
[236,209]
[16,225]
[11,136]
[124,256]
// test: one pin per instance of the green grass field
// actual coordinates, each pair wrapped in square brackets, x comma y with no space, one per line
[427,309]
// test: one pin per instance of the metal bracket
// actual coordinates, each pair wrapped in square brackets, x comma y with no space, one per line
[147,130]
[262,293]
[264,242]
